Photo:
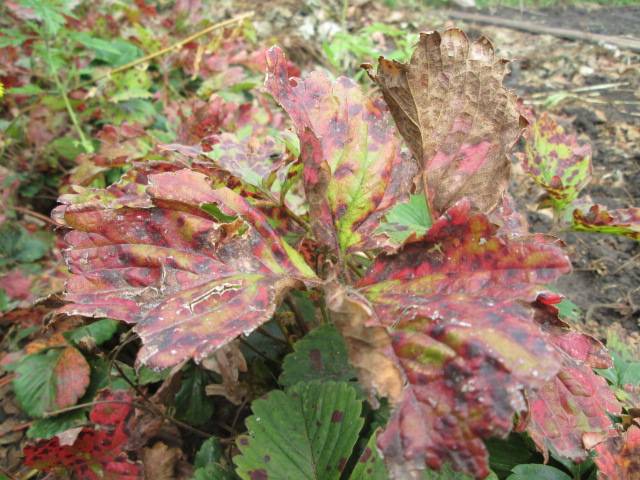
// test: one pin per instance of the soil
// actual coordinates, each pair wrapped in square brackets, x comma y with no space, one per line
[593,19]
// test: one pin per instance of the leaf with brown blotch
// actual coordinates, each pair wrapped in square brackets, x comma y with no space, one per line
[369,348]
[569,414]
[150,255]
[458,120]
[622,221]
[556,161]
[353,169]
[619,458]
[462,336]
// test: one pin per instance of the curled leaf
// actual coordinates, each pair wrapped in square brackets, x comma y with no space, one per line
[459,121]
[622,221]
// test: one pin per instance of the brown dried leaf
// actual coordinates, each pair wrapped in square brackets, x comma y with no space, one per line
[457,118]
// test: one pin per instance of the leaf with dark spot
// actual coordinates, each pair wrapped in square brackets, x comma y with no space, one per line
[454,306]
[297,432]
[353,169]
[320,355]
[556,161]
[370,466]
[146,253]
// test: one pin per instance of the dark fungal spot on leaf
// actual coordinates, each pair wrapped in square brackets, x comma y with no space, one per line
[342,464]
[260,474]
[365,455]
[244,441]
[315,356]
[267,459]
[336,416]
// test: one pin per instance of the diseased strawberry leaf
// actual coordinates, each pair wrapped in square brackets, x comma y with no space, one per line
[456,117]
[569,414]
[598,219]
[50,380]
[370,465]
[619,457]
[93,453]
[462,336]
[307,432]
[146,253]
[320,355]
[353,168]
[556,161]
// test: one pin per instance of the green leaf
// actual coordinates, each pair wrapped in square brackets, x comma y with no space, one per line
[210,464]
[97,332]
[405,219]
[148,375]
[306,433]
[370,465]
[504,454]
[66,147]
[537,471]
[50,380]
[192,404]
[50,12]
[132,84]
[12,37]
[49,427]
[569,311]
[114,51]
[19,246]
[29,89]
[320,355]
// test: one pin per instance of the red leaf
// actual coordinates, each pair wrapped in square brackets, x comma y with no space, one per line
[97,452]
[569,413]
[454,305]
[619,458]
[353,169]
[190,283]
[111,413]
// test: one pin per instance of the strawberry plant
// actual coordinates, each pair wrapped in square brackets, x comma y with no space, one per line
[312,280]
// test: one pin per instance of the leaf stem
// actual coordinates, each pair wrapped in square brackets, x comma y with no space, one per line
[299,317]
[86,144]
